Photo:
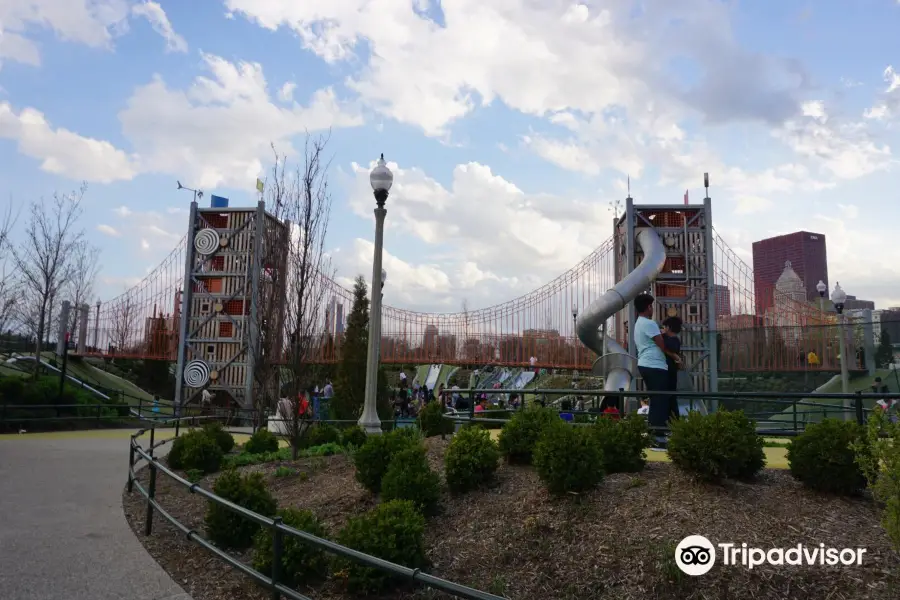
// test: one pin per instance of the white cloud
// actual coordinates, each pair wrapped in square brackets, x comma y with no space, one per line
[286,93]
[157,18]
[888,106]
[846,150]
[590,59]
[94,23]
[61,151]
[108,230]
[217,132]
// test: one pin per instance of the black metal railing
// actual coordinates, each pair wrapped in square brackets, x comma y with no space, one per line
[799,406]
[279,529]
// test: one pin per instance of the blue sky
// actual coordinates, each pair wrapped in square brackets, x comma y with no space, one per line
[510,125]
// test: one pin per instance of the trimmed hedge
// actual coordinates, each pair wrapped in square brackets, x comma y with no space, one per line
[393,531]
[717,446]
[471,459]
[228,529]
[569,459]
[823,457]
[520,435]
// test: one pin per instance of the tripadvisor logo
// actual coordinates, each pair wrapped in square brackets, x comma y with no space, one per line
[695,555]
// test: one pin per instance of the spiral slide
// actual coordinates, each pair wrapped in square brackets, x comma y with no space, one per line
[617,366]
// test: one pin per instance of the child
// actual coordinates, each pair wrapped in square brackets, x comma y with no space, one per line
[645,407]
[672,327]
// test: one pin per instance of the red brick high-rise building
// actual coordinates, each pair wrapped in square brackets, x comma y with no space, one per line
[808,257]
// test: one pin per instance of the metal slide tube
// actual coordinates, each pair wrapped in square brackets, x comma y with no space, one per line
[617,365]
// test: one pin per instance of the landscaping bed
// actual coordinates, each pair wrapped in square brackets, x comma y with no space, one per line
[511,538]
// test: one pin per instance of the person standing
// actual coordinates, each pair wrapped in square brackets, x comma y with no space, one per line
[652,365]
[672,342]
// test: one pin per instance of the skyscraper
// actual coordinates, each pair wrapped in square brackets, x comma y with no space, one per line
[723,300]
[807,253]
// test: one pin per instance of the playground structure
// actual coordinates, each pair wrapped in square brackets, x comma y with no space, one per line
[208,289]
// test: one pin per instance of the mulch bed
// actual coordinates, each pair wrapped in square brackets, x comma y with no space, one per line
[616,542]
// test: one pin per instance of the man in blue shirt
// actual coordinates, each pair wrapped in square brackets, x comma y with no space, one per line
[651,353]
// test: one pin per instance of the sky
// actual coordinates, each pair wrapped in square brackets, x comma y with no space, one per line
[510,126]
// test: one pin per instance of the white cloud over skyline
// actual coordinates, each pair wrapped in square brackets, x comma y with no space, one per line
[659,92]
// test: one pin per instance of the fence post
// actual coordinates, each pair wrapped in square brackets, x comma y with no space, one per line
[859,408]
[151,494]
[277,538]
[130,465]
[140,406]
[99,410]
[794,411]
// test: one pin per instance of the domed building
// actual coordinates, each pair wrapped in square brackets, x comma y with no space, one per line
[785,312]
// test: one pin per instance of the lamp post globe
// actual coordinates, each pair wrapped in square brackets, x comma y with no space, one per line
[821,288]
[383,278]
[381,179]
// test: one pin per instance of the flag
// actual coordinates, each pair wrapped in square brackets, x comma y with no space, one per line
[685,197]
[260,186]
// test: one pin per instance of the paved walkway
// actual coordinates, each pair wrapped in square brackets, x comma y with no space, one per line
[63,534]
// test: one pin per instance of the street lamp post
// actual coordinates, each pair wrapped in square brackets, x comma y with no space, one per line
[97,327]
[380,315]
[381,179]
[575,331]
[838,297]
[822,288]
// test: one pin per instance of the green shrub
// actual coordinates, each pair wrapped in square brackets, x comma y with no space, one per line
[569,459]
[471,459]
[261,442]
[216,431]
[230,530]
[409,477]
[203,454]
[329,449]
[717,446]
[822,457]
[195,450]
[623,443]
[354,436]
[300,562]
[878,454]
[520,435]
[393,531]
[320,434]
[373,458]
[432,422]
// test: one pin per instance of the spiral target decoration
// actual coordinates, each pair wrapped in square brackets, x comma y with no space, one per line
[196,373]
[206,241]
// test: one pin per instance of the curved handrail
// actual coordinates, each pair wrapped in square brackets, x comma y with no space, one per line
[279,530]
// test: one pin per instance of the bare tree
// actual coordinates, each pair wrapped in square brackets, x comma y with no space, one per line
[124,318]
[305,200]
[79,286]
[43,259]
[8,281]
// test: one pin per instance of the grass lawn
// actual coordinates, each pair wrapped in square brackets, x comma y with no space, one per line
[776,458]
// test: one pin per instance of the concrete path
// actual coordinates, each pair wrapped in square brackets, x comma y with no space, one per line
[63,534]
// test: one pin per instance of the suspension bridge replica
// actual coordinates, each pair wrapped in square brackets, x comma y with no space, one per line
[201,309]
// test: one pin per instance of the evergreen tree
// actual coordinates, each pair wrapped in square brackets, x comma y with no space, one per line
[884,355]
[350,386]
